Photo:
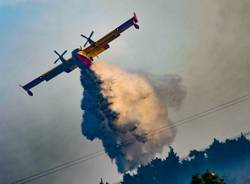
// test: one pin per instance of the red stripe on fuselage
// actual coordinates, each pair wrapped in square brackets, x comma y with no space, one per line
[84,60]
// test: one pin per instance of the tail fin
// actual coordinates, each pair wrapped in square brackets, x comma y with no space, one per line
[27,90]
[135,21]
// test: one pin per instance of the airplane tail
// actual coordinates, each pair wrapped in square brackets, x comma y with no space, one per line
[135,21]
[27,90]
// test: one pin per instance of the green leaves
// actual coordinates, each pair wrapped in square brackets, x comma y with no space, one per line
[207,178]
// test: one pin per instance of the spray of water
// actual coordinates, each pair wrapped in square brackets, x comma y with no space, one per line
[121,109]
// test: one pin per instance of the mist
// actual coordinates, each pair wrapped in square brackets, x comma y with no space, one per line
[124,111]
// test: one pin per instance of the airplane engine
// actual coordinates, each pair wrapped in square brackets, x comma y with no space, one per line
[106,46]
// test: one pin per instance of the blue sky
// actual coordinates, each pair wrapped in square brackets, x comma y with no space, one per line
[205,42]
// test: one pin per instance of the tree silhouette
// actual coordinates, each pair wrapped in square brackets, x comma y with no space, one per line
[101,182]
[196,179]
[229,159]
[211,178]
[207,178]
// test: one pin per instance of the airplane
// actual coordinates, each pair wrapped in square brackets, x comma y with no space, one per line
[82,57]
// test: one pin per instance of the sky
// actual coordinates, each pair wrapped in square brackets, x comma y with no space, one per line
[206,42]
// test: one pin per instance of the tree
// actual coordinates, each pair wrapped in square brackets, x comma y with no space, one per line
[211,178]
[207,178]
[103,182]
[196,179]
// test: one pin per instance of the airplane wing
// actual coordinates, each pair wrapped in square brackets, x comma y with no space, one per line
[102,44]
[45,77]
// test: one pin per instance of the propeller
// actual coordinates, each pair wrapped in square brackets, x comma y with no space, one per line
[59,55]
[88,39]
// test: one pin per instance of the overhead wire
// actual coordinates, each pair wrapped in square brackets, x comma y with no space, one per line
[155,169]
[90,156]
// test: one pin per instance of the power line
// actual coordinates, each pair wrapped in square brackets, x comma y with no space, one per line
[205,113]
[155,169]
[85,158]
[193,117]
[100,152]
[57,168]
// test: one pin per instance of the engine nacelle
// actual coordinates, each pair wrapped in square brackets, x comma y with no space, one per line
[106,46]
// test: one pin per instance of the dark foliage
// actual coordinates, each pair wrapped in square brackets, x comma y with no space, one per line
[196,179]
[207,178]
[229,159]
[101,182]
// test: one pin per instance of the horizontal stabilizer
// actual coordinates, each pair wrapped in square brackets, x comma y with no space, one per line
[27,90]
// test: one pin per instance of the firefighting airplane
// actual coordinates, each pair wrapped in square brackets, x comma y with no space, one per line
[82,57]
